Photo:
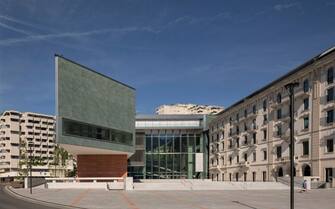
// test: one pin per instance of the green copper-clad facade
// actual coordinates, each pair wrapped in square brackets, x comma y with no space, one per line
[95,113]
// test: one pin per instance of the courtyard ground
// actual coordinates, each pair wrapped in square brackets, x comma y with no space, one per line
[101,199]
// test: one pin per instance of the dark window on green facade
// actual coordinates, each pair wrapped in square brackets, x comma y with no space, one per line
[79,129]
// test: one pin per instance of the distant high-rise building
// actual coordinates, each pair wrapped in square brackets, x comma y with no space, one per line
[186,109]
[25,136]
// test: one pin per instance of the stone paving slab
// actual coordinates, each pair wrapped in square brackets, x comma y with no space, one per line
[101,199]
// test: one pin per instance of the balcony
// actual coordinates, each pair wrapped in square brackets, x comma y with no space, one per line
[4,166]
[15,151]
[284,118]
[263,127]
[284,100]
[284,135]
[214,150]
[37,132]
[214,167]
[50,122]
[303,113]
[44,133]
[245,144]
[235,149]
[301,93]
[328,106]
[283,159]
[252,115]
[30,125]
[251,146]
[15,139]
[243,118]
[252,128]
[15,116]
[243,164]
[235,136]
[304,157]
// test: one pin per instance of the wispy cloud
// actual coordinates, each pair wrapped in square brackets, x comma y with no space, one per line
[73,34]
[21,22]
[195,20]
[31,36]
[277,8]
[282,7]
[29,33]
[15,29]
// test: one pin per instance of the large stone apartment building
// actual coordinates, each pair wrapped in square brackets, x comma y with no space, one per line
[28,135]
[249,141]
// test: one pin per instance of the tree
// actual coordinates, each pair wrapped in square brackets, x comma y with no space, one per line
[61,157]
[26,160]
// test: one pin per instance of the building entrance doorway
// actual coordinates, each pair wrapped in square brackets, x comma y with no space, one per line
[329,175]
[306,170]
[280,172]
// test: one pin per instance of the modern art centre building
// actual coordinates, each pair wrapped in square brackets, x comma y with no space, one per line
[95,119]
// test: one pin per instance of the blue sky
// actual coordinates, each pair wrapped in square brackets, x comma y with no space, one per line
[205,52]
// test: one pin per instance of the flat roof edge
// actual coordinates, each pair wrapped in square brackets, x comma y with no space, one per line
[169,117]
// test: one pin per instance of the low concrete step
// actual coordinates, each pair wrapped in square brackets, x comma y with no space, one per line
[207,185]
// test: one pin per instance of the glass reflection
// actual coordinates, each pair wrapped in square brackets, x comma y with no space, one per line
[155,144]
[171,156]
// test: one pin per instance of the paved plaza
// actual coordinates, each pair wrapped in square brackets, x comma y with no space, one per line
[101,199]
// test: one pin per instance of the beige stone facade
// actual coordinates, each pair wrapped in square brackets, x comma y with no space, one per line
[22,132]
[188,109]
[249,141]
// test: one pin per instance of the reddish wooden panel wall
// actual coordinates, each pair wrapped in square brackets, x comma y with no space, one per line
[102,165]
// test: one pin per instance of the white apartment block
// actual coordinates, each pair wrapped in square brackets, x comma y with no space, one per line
[188,109]
[249,141]
[27,134]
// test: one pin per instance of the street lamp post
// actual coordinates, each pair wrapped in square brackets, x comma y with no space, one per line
[30,145]
[290,87]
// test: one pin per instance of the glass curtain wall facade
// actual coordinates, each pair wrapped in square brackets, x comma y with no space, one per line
[171,156]
[170,147]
